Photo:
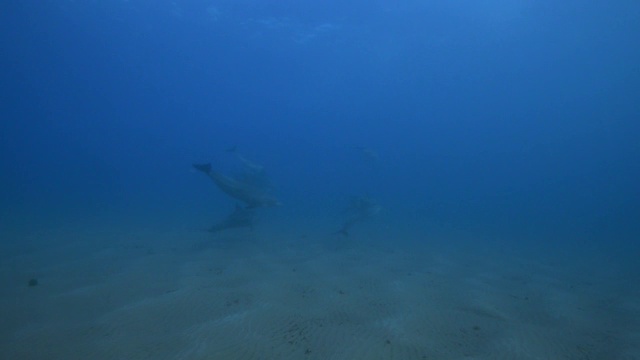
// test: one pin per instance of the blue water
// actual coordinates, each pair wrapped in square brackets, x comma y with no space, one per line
[514,123]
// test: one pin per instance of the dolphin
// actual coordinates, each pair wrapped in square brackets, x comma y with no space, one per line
[253,197]
[239,218]
[360,209]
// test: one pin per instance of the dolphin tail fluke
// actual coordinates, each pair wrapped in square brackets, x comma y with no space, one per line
[205,168]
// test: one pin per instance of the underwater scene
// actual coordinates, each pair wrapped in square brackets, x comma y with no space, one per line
[320,180]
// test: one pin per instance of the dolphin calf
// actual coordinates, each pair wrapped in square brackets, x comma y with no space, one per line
[252,196]
[360,209]
[239,218]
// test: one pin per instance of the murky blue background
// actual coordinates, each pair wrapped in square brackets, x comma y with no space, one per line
[514,122]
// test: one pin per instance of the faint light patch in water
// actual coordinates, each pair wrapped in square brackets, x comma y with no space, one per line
[289,29]
[322,29]
[176,9]
[494,11]
[214,13]
[275,22]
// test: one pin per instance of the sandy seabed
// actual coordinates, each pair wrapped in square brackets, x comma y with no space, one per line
[151,294]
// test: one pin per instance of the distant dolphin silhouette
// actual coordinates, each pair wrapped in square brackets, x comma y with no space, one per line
[253,197]
[239,218]
[360,209]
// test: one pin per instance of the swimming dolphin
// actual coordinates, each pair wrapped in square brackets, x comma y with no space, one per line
[239,218]
[360,209]
[253,197]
